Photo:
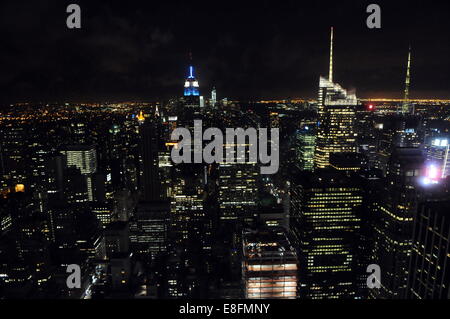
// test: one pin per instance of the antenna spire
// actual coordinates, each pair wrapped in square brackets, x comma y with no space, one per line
[330,74]
[405,106]
[191,68]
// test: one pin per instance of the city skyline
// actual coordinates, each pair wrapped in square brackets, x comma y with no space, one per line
[269,151]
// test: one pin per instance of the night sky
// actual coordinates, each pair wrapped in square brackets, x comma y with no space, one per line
[138,50]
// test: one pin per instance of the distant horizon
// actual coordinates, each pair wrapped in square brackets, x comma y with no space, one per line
[263,100]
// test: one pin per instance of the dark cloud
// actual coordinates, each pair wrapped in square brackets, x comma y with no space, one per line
[247,49]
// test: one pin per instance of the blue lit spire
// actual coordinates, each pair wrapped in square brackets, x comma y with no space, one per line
[191,84]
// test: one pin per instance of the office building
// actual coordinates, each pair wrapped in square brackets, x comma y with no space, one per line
[336,119]
[325,224]
[270,265]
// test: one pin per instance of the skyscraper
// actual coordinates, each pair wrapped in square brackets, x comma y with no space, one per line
[191,84]
[237,191]
[150,178]
[237,181]
[306,144]
[213,97]
[83,157]
[187,205]
[438,154]
[189,233]
[336,116]
[191,99]
[429,267]
[393,224]
[325,225]
[148,228]
[406,107]
[398,130]
[270,265]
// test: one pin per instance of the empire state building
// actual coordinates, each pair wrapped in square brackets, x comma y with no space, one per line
[191,84]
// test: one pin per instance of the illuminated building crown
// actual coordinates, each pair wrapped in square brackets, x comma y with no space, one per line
[191,84]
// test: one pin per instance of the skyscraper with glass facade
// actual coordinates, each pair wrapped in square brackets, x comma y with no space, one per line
[336,119]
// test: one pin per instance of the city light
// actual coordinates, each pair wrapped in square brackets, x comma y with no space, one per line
[432,175]
[20,188]
[292,180]
[432,172]
[440,142]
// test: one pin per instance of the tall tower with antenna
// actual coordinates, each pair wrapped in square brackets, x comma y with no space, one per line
[405,105]
[191,84]
[336,116]
[330,73]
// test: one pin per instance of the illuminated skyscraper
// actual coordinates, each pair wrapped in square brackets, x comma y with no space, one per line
[393,224]
[84,158]
[398,130]
[237,190]
[213,97]
[187,205]
[336,111]
[325,225]
[24,254]
[406,108]
[189,233]
[103,212]
[270,265]
[191,84]
[429,267]
[148,228]
[438,155]
[12,157]
[306,144]
[237,180]
[191,99]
